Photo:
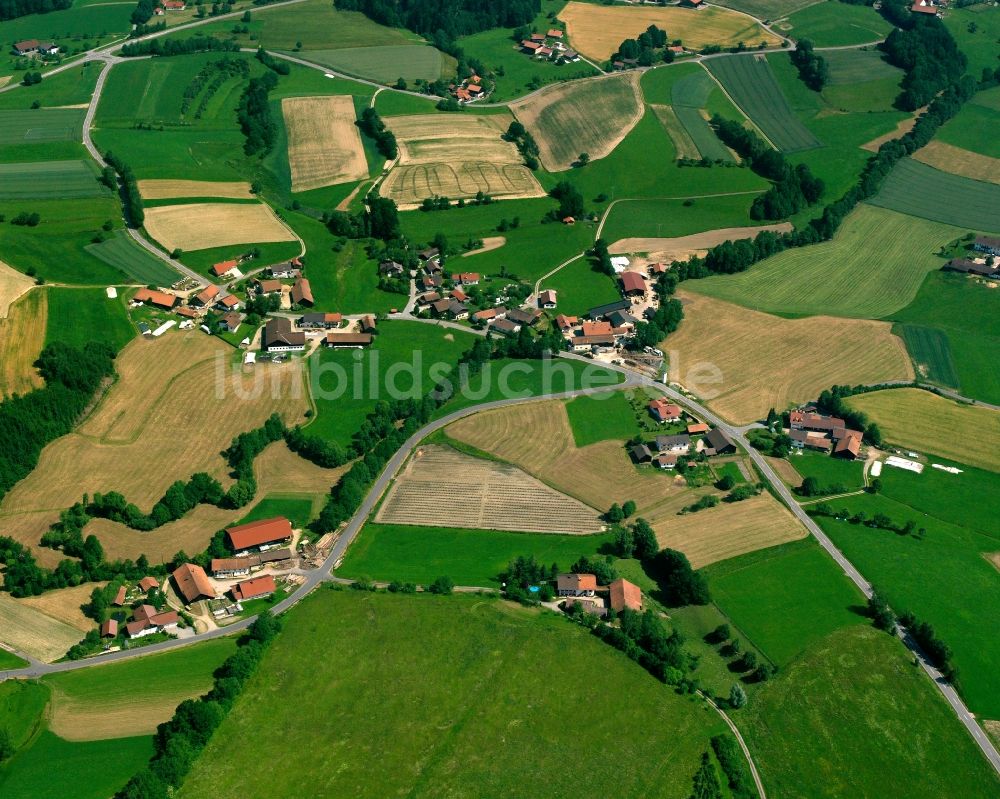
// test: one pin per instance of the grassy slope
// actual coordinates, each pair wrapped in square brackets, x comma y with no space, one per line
[980,44]
[437,736]
[297,509]
[829,471]
[470,557]
[962,310]
[22,705]
[835,24]
[77,316]
[872,268]
[339,417]
[669,218]
[72,87]
[580,287]
[971,127]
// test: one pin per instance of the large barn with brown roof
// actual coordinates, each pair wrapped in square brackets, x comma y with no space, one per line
[264,533]
[192,583]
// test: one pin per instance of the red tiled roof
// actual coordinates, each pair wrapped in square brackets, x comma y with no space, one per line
[192,582]
[160,298]
[258,586]
[701,427]
[596,328]
[632,281]
[120,597]
[254,534]
[301,291]
[148,582]
[224,267]
[625,595]
[577,582]
[109,629]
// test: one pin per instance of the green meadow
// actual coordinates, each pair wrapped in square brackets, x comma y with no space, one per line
[72,87]
[976,30]
[835,24]
[833,474]
[354,380]
[602,417]
[580,287]
[411,553]
[8,660]
[22,706]
[41,134]
[960,312]
[298,510]
[385,63]
[678,217]
[449,673]
[76,316]
[972,127]
[50,180]
[121,252]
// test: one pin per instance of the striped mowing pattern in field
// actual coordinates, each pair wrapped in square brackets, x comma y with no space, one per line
[920,190]
[751,84]
[689,96]
[445,488]
[858,66]
[683,142]
[41,125]
[122,253]
[871,268]
[931,353]
[49,180]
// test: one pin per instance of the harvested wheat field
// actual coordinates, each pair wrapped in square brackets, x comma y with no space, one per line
[957,161]
[914,418]
[743,362]
[22,335]
[729,529]
[537,437]
[12,285]
[597,31]
[28,529]
[591,116]
[32,632]
[149,431]
[63,604]
[681,248]
[281,471]
[443,487]
[785,470]
[455,156]
[199,226]
[166,189]
[324,145]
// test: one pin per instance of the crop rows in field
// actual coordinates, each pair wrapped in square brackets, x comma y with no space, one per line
[445,488]
[751,84]
[41,125]
[858,66]
[920,190]
[49,180]
[689,96]
[122,253]
[931,353]
[408,185]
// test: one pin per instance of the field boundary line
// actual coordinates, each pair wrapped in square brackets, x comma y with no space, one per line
[738,107]
[743,745]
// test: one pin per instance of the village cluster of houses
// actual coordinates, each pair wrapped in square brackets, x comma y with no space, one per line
[583,590]
[666,450]
[811,430]
[549,46]
[987,264]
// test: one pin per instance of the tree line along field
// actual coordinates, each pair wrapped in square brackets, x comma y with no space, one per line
[597,31]
[482,650]
[766,361]
[957,200]
[748,79]
[570,119]
[949,333]
[828,725]
[872,268]
[924,421]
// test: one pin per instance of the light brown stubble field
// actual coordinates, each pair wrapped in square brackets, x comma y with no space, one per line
[957,161]
[755,361]
[22,336]
[324,145]
[32,632]
[200,226]
[168,189]
[680,248]
[597,31]
[591,116]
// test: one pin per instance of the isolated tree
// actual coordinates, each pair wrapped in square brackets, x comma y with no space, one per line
[624,542]
[583,159]
[628,508]
[442,585]
[882,616]
[720,634]
[737,696]
[646,545]
[810,487]
[615,514]
[726,483]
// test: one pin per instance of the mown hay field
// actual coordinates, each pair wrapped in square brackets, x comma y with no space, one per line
[105,701]
[680,248]
[324,145]
[957,161]
[200,226]
[22,336]
[915,418]
[63,604]
[873,267]
[728,530]
[281,471]
[446,488]
[597,31]
[538,438]
[166,418]
[689,96]
[49,180]
[961,201]
[166,189]
[750,82]
[12,285]
[589,116]
[744,362]
[455,156]
[121,252]
[34,633]
[931,353]
[386,63]
[683,141]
